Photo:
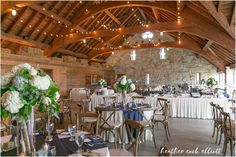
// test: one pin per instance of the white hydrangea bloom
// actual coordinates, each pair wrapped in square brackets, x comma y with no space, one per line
[123,81]
[46,100]
[19,82]
[57,96]
[33,71]
[5,79]
[11,101]
[132,87]
[41,83]
[16,69]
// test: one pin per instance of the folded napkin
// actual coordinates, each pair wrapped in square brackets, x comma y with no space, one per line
[94,144]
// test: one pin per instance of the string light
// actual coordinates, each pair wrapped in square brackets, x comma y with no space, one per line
[13,11]
[179,40]
[44,9]
[178,12]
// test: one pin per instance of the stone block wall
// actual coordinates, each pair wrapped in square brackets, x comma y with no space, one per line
[180,66]
[65,73]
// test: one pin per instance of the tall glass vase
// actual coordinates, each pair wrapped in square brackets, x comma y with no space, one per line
[25,136]
[124,93]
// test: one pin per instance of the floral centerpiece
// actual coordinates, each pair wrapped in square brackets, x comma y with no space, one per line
[21,90]
[102,83]
[124,85]
[211,82]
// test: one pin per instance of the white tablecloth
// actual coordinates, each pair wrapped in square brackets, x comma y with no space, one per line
[179,107]
[195,107]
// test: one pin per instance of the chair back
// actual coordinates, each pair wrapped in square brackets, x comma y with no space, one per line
[213,110]
[83,118]
[218,111]
[227,124]
[138,99]
[86,105]
[106,116]
[109,99]
[131,127]
[162,102]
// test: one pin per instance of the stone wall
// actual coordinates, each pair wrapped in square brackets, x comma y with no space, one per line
[65,73]
[180,66]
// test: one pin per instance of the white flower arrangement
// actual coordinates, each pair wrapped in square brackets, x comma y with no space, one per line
[102,83]
[25,87]
[124,84]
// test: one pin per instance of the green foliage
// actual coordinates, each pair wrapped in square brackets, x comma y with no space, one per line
[25,74]
[4,113]
[211,82]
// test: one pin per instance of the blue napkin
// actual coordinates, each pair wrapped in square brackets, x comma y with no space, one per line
[94,144]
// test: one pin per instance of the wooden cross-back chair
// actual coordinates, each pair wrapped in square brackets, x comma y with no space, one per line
[147,122]
[67,111]
[108,122]
[85,105]
[131,127]
[86,119]
[219,124]
[214,118]
[138,98]
[161,102]
[109,99]
[163,116]
[229,133]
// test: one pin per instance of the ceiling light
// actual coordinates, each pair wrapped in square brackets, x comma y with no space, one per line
[161,33]
[13,11]
[147,35]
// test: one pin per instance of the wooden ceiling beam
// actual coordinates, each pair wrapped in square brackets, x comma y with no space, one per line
[156,14]
[16,39]
[185,44]
[50,14]
[185,27]
[17,19]
[6,6]
[113,18]
[208,44]
[233,18]
[98,60]
[142,13]
[219,5]
[72,53]
[219,16]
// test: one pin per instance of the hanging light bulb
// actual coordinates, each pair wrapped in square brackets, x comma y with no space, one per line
[162,53]
[133,55]
[147,35]
[13,11]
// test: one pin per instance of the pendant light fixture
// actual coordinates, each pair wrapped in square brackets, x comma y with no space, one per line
[13,11]
[162,53]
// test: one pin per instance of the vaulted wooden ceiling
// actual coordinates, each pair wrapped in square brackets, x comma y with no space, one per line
[94,29]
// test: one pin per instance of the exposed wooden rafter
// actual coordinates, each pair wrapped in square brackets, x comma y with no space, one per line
[219,16]
[16,39]
[71,53]
[208,44]
[113,18]
[50,14]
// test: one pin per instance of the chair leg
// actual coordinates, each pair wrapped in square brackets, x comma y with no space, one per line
[153,136]
[217,132]
[231,147]
[214,130]
[164,124]
[221,132]
[224,147]
[168,128]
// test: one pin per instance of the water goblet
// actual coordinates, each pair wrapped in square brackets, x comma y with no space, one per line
[49,128]
[71,130]
[79,140]
[51,151]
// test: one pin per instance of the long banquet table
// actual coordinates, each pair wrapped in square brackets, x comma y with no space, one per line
[184,107]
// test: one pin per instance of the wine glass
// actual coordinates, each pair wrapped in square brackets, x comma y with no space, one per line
[71,130]
[51,151]
[49,128]
[79,140]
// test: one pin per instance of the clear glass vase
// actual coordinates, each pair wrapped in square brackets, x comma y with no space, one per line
[123,96]
[25,139]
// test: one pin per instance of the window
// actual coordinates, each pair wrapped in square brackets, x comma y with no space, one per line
[221,83]
[230,79]
[198,78]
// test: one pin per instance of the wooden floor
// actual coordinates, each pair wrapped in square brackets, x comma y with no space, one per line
[189,137]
